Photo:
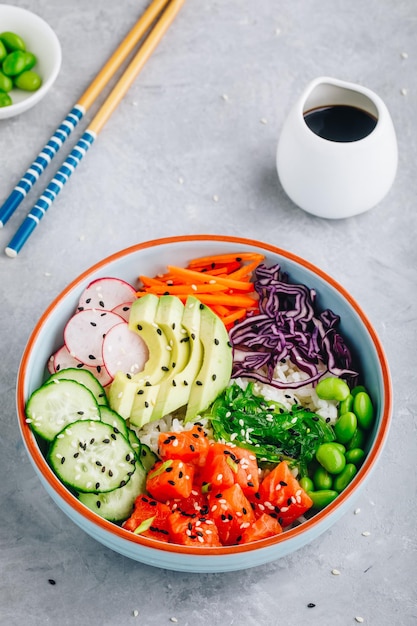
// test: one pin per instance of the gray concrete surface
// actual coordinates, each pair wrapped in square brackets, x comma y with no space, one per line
[192,150]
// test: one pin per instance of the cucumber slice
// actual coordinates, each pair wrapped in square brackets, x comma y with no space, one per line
[90,457]
[134,442]
[110,417]
[57,404]
[86,378]
[147,457]
[117,505]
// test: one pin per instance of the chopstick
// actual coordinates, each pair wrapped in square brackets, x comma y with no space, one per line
[78,111]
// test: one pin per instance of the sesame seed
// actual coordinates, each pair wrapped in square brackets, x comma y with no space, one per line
[135,613]
[366,533]
[173,619]
[335,572]
[356,511]
[359,619]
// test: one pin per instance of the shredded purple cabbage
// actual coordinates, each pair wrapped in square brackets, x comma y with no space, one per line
[288,326]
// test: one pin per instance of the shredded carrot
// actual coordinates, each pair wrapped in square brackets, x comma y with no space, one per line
[222,282]
[227,258]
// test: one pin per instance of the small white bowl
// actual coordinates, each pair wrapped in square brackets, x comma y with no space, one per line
[42,41]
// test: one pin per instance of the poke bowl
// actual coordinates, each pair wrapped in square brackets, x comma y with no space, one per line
[204,403]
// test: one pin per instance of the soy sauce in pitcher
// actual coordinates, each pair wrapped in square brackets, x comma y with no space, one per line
[340,122]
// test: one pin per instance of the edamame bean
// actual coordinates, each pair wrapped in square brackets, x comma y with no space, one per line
[323,497]
[355,456]
[357,389]
[322,479]
[345,427]
[306,483]
[332,388]
[6,83]
[28,81]
[12,41]
[30,60]
[3,51]
[14,63]
[343,479]
[5,99]
[339,446]
[357,441]
[363,409]
[331,458]
[346,405]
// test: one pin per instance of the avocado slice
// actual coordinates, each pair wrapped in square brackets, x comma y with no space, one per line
[174,392]
[168,317]
[125,388]
[142,321]
[216,368]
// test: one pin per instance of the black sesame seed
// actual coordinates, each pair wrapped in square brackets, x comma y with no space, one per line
[172,482]
[216,342]
[91,357]
[139,327]
[164,368]
[98,504]
[63,460]
[199,383]
[140,392]
[213,377]
[97,485]
[192,448]
[51,581]
[311,605]
[93,323]
[159,331]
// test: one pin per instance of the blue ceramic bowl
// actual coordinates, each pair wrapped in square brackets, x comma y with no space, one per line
[150,258]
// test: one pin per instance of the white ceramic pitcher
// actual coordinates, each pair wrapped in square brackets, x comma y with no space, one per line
[334,179]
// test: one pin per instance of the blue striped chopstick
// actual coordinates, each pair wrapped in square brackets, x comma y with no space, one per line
[52,190]
[73,118]
[41,163]
[84,144]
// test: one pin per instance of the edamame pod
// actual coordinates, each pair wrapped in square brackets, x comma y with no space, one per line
[323,497]
[5,99]
[358,440]
[12,41]
[6,83]
[3,51]
[345,427]
[331,458]
[363,409]
[306,483]
[14,63]
[322,479]
[343,479]
[332,388]
[28,81]
[355,456]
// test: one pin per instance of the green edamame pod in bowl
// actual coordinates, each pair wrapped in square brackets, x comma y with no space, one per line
[332,388]
[5,99]
[14,63]
[345,427]
[3,51]
[322,479]
[330,456]
[343,479]
[6,83]
[363,409]
[28,81]
[12,41]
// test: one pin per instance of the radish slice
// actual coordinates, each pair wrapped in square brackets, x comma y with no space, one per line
[84,334]
[124,350]
[105,294]
[123,310]
[62,359]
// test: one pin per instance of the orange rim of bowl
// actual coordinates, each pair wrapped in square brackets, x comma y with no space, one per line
[122,534]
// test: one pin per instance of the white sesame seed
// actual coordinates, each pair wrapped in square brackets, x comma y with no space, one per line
[404,55]
[335,572]
[135,613]
[219,477]
[173,619]
[263,120]
[356,511]
[181,180]
[225,97]
[404,91]
[366,533]
[359,619]
[216,198]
